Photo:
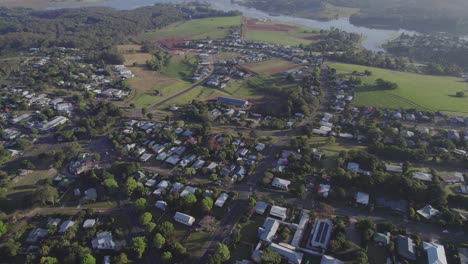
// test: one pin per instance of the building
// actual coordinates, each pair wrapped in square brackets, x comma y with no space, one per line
[393,168]
[423,176]
[222,198]
[320,235]
[428,212]
[88,223]
[268,231]
[260,207]
[46,126]
[292,256]
[188,190]
[90,194]
[36,234]
[297,238]
[330,260]
[233,101]
[397,206]
[435,253]
[145,157]
[452,177]
[184,219]
[279,212]
[280,183]
[362,198]
[382,239]
[103,241]
[323,190]
[65,226]
[161,205]
[406,247]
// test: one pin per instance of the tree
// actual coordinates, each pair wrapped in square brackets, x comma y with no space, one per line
[139,246]
[3,228]
[166,229]
[140,204]
[270,257]
[88,259]
[179,249]
[223,251]
[121,259]
[111,185]
[460,94]
[206,204]
[45,194]
[145,218]
[159,241]
[166,257]
[188,200]
[48,260]
[130,186]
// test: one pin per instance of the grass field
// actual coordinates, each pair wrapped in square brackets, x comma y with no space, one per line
[214,28]
[21,187]
[270,67]
[283,34]
[170,80]
[424,92]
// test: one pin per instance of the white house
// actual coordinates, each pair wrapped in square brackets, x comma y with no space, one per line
[184,219]
[278,211]
[280,183]
[260,207]
[88,223]
[65,226]
[103,241]
[428,212]
[362,198]
[222,198]
[435,253]
[161,205]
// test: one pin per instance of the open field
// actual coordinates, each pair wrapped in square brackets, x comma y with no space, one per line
[21,187]
[424,92]
[270,67]
[279,33]
[43,4]
[214,28]
[168,81]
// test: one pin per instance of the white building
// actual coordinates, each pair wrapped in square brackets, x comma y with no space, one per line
[88,223]
[278,211]
[280,183]
[435,253]
[65,226]
[222,198]
[161,205]
[103,241]
[184,219]
[260,207]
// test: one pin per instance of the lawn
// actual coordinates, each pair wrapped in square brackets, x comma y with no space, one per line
[20,188]
[180,67]
[424,92]
[270,67]
[249,239]
[195,242]
[214,28]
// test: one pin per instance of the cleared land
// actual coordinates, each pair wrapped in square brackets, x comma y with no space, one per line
[424,92]
[168,81]
[214,28]
[270,67]
[279,33]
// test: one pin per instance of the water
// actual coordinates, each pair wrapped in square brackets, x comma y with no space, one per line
[372,38]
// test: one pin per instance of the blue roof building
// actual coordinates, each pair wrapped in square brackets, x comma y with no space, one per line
[233,101]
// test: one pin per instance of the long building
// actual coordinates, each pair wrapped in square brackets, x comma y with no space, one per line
[320,235]
[233,101]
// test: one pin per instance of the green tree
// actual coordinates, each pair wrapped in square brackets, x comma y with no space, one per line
[130,186]
[145,218]
[139,246]
[159,241]
[179,249]
[189,200]
[45,194]
[166,229]
[223,251]
[111,185]
[206,204]
[270,257]
[48,260]
[88,259]
[166,257]
[140,204]
[121,259]
[3,228]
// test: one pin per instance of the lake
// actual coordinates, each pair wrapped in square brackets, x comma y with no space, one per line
[372,38]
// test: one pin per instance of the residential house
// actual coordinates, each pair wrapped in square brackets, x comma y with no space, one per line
[65,226]
[268,231]
[320,235]
[428,212]
[452,177]
[435,253]
[382,239]
[423,176]
[103,241]
[36,234]
[222,198]
[406,247]
[280,183]
[278,211]
[260,207]
[362,198]
[233,101]
[188,190]
[292,256]
[184,219]
[161,205]
[88,223]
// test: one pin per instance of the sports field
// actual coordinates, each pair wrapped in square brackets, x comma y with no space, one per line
[424,92]
[213,28]
[278,33]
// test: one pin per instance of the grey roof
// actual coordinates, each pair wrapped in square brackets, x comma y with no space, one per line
[269,229]
[406,247]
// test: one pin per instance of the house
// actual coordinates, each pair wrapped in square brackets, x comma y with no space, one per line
[330,260]
[90,194]
[260,147]
[65,226]
[301,227]
[397,206]
[406,247]
[453,135]
[150,183]
[103,241]
[428,212]
[279,212]
[320,234]
[292,256]
[355,167]
[222,198]
[161,205]
[188,190]
[54,221]
[184,219]
[145,157]
[423,176]
[323,190]
[233,101]
[362,198]
[382,239]
[393,168]
[267,232]
[260,207]
[88,223]
[36,234]
[452,177]
[435,253]
[177,187]
[280,183]
[198,164]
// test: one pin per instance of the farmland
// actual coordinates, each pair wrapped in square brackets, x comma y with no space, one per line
[424,92]
[214,28]
[283,34]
